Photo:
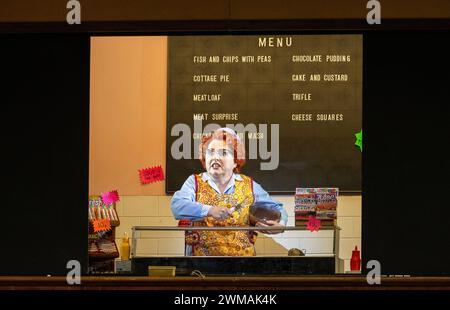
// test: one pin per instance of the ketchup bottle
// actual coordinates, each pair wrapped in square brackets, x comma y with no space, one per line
[355,262]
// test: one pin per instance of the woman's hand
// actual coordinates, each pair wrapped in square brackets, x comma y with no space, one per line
[219,213]
[269,223]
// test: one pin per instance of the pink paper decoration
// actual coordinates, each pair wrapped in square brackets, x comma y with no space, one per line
[313,224]
[110,197]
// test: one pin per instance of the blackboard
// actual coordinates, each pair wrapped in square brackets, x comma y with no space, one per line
[306,90]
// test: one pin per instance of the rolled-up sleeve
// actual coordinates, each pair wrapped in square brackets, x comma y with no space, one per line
[183,202]
[263,199]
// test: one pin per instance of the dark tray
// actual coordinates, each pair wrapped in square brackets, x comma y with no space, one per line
[213,265]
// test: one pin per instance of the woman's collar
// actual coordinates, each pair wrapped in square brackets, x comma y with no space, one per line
[207,177]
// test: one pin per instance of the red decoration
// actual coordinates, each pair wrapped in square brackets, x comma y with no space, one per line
[313,224]
[101,225]
[184,222]
[151,175]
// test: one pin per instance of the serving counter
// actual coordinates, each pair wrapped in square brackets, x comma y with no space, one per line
[347,282]
[236,266]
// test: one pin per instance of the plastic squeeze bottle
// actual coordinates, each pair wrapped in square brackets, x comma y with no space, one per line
[125,247]
[355,262]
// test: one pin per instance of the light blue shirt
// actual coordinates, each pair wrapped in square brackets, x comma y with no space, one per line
[184,206]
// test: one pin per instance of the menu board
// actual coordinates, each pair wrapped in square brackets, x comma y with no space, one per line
[295,100]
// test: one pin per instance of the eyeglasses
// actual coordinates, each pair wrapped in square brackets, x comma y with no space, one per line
[219,152]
